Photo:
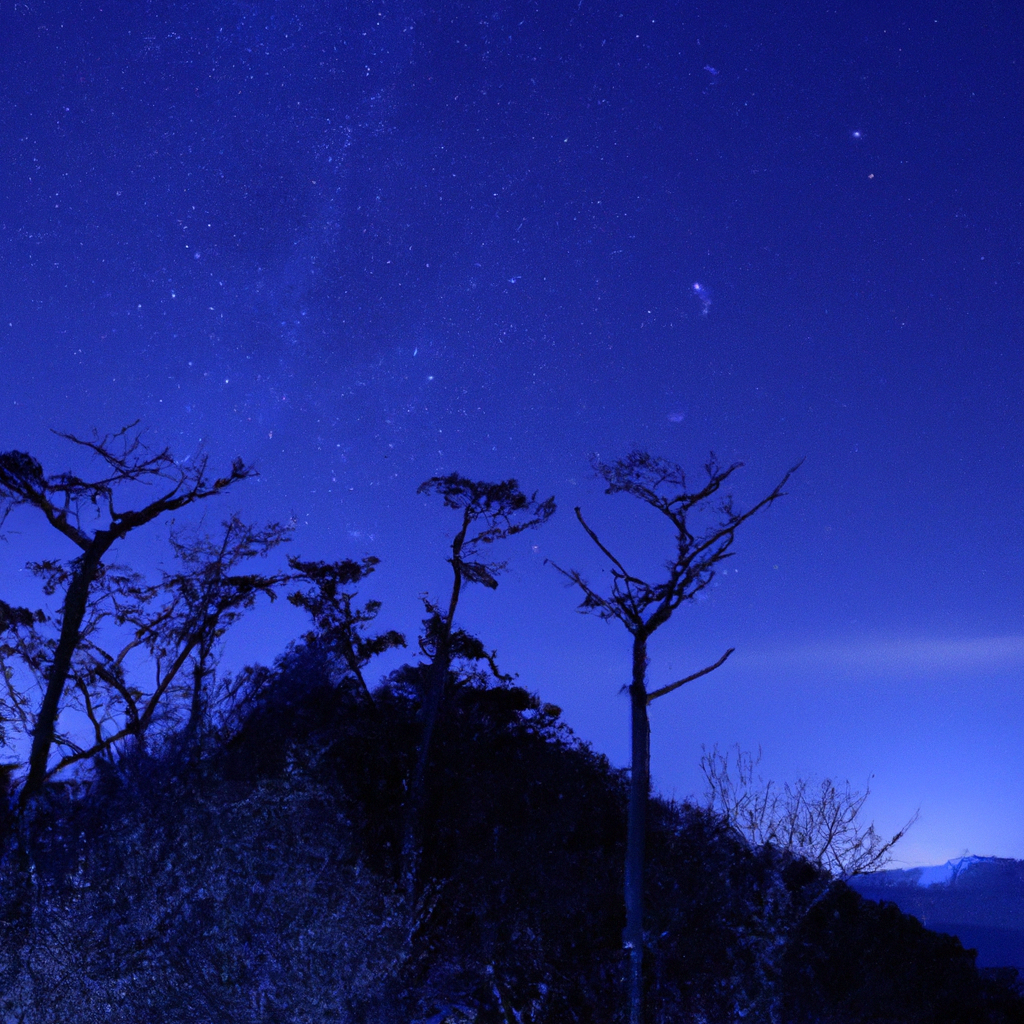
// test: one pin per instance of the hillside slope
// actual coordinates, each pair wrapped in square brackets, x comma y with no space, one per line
[255,877]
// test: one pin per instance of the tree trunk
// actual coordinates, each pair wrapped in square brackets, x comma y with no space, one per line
[636,829]
[75,603]
[412,840]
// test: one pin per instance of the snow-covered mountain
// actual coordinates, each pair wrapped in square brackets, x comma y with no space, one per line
[978,899]
[938,874]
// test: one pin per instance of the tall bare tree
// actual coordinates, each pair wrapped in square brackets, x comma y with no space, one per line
[643,607]
[490,512]
[89,514]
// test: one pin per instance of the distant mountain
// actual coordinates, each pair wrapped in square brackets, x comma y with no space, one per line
[980,900]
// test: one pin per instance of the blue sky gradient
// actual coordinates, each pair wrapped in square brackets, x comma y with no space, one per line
[362,244]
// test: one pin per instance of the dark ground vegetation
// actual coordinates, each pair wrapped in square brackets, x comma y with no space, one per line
[252,873]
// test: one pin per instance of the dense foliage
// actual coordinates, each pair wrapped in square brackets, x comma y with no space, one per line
[250,872]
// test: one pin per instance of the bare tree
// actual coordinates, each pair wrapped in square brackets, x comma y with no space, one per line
[644,607]
[87,512]
[178,622]
[820,824]
[201,601]
[490,512]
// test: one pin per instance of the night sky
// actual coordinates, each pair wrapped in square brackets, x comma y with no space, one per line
[362,244]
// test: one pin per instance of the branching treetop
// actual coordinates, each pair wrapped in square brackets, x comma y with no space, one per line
[501,510]
[66,499]
[643,606]
[337,622]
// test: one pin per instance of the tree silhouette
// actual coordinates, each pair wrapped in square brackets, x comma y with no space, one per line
[643,607]
[490,512]
[820,824]
[339,626]
[178,622]
[87,513]
[201,601]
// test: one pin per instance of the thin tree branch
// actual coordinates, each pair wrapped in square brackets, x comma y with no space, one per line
[593,536]
[85,754]
[573,576]
[655,694]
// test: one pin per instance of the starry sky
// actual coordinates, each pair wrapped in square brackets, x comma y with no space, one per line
[360,244]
